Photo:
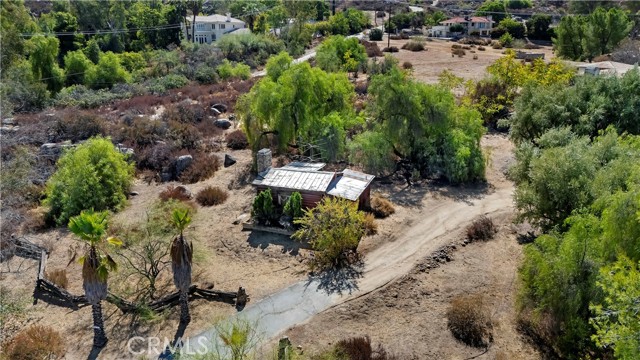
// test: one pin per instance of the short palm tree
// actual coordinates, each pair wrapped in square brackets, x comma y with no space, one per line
[181,259]
[91,227]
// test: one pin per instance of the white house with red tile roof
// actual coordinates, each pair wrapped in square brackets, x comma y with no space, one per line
[471,24]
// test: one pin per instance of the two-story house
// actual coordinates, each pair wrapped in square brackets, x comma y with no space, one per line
[470,25]
[210,28]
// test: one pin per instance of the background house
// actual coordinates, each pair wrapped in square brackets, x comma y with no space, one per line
[210,28]
[470,24]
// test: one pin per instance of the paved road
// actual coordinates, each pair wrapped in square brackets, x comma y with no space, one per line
[301,301]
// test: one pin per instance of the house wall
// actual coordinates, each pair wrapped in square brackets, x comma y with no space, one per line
[365,198]
[211,31]
[309,199]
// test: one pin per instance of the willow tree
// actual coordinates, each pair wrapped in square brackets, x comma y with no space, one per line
[181,261]
[294,103]
[91,227]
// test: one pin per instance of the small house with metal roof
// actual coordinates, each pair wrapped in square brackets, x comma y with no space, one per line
[311,182]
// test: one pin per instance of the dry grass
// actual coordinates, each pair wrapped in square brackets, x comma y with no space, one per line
[211,195]
[237,140]
[482,229]
[360,348]
[413,45]
[370,225]
[203,167]
[381,207]
[392,49]
[175,192]
[36,342]
[371,48]
[458,52]
[58,277]
[469,320]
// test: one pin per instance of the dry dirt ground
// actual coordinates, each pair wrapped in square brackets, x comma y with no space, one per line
[224,256]
[408,314]
[428,64]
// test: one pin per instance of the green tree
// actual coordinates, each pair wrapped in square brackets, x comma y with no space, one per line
[294,104]
[15,19]
[339,53]
[182,261]
[92,51]
[293,206]
[538,27]
[43,56]
[95,175]
[333,228]
[76,66]
[616,320]
[515,28]
[107,72]
[278,64]
[62,22]
[495,8]
[91,227]
[605,30]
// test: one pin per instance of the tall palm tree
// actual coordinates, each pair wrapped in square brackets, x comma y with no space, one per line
[91,227]
[181,259]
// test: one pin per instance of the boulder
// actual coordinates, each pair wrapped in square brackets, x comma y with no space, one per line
[223,123]
[242,218]
[125,150]
[54,150]
[182,163]
[220,108]
[8,121]
[134,193]
[215,111]
[229,160]
[8,128]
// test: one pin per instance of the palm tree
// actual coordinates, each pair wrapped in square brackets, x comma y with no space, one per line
[181,258]
[91,227]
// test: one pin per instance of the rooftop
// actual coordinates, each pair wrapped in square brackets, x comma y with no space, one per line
[475,19]
[216,18]
[349,184]
[295,179]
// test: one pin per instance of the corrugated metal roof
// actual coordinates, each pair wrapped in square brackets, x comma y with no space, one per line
[350,185]
[305,180]
[298,165]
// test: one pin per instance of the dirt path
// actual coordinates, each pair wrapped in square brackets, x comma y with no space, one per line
[433,226]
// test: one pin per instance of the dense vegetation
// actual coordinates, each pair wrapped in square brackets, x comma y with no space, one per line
[578,181]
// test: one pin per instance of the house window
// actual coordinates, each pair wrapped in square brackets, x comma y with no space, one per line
[282,198]
[222,26]
[200,27]
[213,26]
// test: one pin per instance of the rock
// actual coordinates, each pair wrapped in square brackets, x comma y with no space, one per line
[8,121]
[229,160]
[165,176]
[54,150]
[223,123]
[182,163]
[215,111]
[242,218]
[8,128]
[125,150]
[232,117]
[134,193]
[220,108]
[182,190]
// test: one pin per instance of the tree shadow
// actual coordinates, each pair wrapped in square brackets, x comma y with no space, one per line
[176,344]
[262,240]
[462,193]
[338,280]
[405,195]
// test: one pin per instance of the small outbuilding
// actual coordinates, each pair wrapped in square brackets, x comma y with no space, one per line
[311,182]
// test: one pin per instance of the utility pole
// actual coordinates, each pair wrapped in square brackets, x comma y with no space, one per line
[389,26]
[333,8]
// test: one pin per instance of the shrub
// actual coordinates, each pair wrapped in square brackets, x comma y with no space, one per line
[381,207]
[211,195]
[185,112]
[77,126]
[237,140]
[481,229]
[95,175]
[263,210]
[161,84]
[185,136]
[371,48]
[293,206]
[413,45]
[506,40]
[496,45]
[469,320]
[36,342]
[370,225]
[458,52]
[407,65]
[202,167]
[481,48]
[179,193]
[58,277]
[333,229]
[375,34]
[227,71]
[391,49]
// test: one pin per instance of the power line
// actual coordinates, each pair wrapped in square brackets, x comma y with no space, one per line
[111,31]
